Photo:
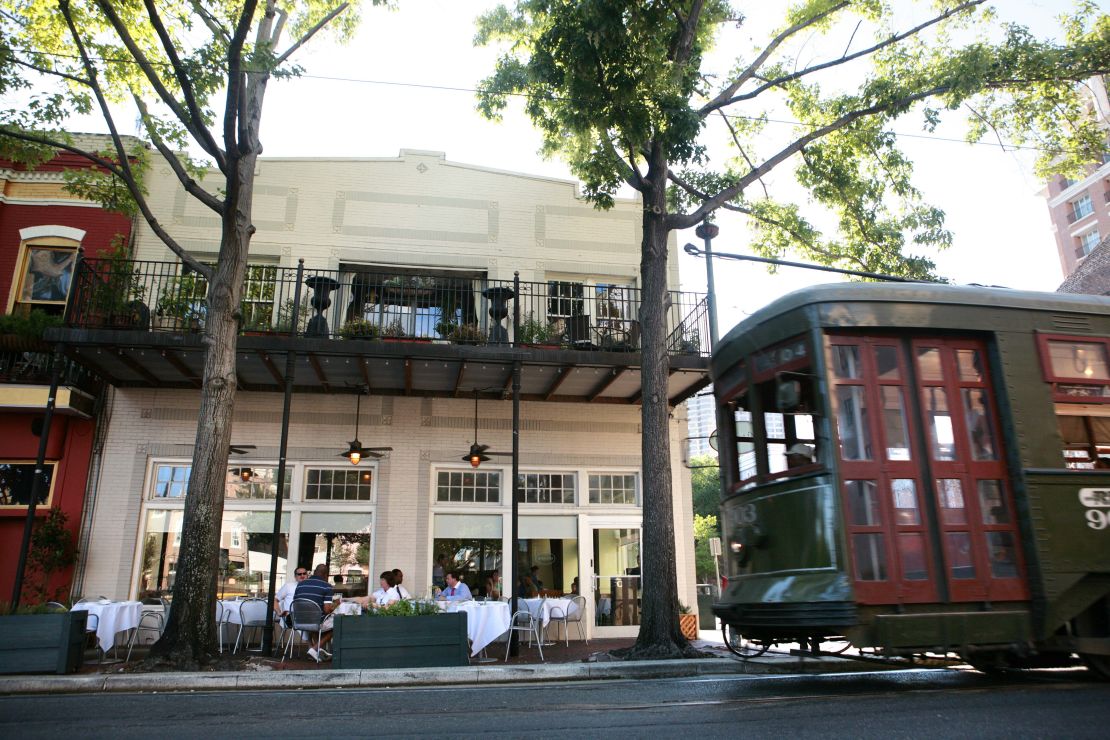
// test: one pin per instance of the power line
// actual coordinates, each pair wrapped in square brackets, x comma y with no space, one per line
[449,88]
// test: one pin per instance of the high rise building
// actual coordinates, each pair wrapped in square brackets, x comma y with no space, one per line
[701,422]
[1080,209]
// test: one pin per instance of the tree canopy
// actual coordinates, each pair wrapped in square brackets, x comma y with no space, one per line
[645,94]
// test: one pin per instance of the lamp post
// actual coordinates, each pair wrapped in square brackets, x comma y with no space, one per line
[707,231]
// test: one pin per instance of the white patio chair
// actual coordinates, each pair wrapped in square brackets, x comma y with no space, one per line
[575,616]
[252,615]
[150,620]
[306,617]
[523,621]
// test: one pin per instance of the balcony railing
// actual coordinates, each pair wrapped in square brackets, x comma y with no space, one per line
[34,366]
[364,304]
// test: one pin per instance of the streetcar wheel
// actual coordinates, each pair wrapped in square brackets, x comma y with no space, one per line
[738,646]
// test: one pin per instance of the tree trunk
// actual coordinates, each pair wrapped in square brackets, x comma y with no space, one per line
[659,635]
[190,636]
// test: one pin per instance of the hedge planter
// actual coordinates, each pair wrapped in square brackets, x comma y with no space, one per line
[42,643]
[400,642]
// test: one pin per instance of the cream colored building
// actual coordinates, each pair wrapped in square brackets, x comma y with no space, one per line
[426,223]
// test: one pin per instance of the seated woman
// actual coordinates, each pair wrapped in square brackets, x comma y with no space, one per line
[384,596]
[526,588]
[493,585]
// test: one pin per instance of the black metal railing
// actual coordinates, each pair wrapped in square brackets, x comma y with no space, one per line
[393,305]
[34,367]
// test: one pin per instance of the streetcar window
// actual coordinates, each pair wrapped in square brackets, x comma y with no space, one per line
[853,423]
[1086,438]
[870,557]
[992,503]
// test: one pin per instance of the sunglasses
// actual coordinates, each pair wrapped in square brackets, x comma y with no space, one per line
[301,573]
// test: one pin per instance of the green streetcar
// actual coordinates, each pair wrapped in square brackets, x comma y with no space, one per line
[945,492]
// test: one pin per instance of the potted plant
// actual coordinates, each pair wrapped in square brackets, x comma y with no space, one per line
[687,622]
[690,344]
[406,634]
[181,305]
[533,332]
[117,290]
[359,329]
[466,334]
[22,332]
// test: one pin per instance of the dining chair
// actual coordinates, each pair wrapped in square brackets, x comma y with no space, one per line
[565,618]
[55,607]
[306,617]
[524,621]
[252,615]
[150,620]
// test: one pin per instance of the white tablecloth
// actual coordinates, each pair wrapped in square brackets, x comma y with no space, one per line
[485,620]
[115,617]
[561,607]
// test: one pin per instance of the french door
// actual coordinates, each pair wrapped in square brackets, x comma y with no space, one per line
[927,504]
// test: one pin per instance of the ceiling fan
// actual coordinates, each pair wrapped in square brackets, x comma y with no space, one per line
[239,449]
[355,451]
[480,453]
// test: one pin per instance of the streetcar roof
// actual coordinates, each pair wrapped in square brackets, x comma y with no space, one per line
[917,293]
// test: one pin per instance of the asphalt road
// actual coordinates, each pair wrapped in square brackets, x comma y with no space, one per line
[932,704]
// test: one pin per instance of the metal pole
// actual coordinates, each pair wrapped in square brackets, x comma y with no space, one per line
[290,372]
[514,644]
[692,250]
[39,476]
[707,231]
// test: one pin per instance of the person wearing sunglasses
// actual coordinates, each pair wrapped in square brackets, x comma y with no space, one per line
[284,598]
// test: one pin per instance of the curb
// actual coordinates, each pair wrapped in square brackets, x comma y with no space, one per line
[370,678]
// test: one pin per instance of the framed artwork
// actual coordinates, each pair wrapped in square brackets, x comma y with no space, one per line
[47,274]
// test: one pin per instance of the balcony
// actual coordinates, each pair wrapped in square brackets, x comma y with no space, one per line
[401,333]
[26,369]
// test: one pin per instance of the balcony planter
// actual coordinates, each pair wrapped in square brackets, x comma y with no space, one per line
[400,642]
[42,643]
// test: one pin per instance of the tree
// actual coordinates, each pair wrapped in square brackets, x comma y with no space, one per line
[624,92]
[196,72]
[705,476]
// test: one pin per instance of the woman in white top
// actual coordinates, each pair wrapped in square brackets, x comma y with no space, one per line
[385,595]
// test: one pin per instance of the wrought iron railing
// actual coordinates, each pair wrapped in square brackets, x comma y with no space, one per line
[34,366]
[375,304]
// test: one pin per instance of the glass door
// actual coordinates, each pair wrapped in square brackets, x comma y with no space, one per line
[616,577]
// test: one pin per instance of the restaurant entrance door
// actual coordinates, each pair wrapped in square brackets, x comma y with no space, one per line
[616,581]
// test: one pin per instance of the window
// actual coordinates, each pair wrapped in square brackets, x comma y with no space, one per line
[418,302]
[46,274]
[257,303]
[612,489]
[458,486]
[338,484]
[1081,207]
[1087,242]
[17,479]
[564,300]
[171,480]
[547,488]
[1078,368]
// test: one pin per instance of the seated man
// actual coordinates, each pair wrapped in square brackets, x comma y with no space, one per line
[285,595]
[317,589]
[799,455]
[456,590]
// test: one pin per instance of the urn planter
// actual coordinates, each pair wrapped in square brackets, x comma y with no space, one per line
[400,642]
[42,643]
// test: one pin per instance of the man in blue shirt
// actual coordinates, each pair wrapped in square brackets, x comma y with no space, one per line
[456,590]
[318,590]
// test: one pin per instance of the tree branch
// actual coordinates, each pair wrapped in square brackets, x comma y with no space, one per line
[209,20]
[722,97]
[200,126]
[155,81]
[843,59]
[50,72]
[128,176]
[684,221]
[308,34]
[191,186]
[685,42]
[740,148]
[235,81]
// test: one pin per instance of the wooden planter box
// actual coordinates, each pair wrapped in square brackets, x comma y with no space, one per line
[688,624]
[400,642]
[42,643]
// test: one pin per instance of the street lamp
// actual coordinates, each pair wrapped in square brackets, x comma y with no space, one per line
[707,231]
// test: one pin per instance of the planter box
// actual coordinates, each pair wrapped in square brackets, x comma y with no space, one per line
[688,624]
[42,643]
[400,642]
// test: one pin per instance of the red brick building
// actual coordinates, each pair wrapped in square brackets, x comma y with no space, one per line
[41,228]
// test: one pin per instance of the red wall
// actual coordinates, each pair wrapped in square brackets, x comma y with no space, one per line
[70,445]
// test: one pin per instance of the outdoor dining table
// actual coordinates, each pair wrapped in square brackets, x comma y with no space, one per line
[113,617]
[542,609]
[485,620]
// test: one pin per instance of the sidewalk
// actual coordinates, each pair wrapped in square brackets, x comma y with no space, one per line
[562,664]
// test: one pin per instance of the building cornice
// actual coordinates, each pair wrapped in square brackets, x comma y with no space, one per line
[1079,187]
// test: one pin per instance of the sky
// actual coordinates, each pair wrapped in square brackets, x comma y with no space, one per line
[406,82]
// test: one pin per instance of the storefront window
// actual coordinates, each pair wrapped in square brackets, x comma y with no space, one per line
[613,489]
[548,555]
[341,484]
[469,544]
[617,576]
[342,541]
[547,488]
[17,480]
[254,483]
[246,550]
